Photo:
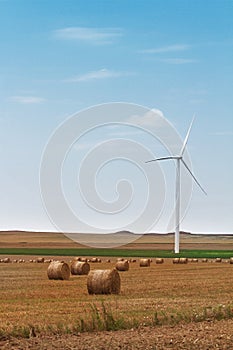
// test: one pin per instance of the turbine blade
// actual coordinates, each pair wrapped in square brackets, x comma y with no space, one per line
[163,158]
[195,179]
[186,137]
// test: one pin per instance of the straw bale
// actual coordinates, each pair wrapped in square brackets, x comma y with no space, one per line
[144,262]
[159,261]
[120,259]
[183,261]
[58,270]
[103,282]
[122,265]
[79,268]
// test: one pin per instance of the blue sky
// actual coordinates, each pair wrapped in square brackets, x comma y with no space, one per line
[58,58]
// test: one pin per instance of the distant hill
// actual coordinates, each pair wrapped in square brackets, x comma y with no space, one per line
[188,240]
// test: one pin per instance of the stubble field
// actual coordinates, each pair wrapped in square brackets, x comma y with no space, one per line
[162,306]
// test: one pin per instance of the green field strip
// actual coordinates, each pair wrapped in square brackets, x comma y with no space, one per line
[211,254]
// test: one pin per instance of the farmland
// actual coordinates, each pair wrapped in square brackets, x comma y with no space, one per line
[178,306]
[158,296]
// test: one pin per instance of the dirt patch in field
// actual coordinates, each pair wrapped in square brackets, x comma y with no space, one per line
[193,336]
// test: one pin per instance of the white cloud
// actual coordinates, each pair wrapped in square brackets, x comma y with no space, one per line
[150,119]
[97,75]
[169,48]
[89,35]
[27,99]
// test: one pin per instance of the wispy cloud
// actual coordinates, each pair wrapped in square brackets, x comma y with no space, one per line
[27,99]
[99,36]
[152,118]
[168,48]
[97,75]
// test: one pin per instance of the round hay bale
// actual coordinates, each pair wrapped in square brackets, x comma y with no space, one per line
[176,260]
[83,259]
[103,282]
[79,268]
[122,265]
[204,260]
[231,260]
[108,261]
[40,260]
[159,261]
[77,258]
[58,270]
[218,260]
[183,261]
[94,260]
[144,262]
[194,260]
[6,260]
[15,261]
[120,259]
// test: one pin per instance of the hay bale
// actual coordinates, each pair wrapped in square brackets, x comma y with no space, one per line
[176,260]
[108,261]
[120,259]
[144,262]
[218,260]
[6,260]
[94,260]
[79,268]
[122,265]
[77,258]
[58,270]
[194,260]
[183,261]
[204,260]
[231,260]
[40,260]
[159,261]
[47,261]
[83,259]
[103,282]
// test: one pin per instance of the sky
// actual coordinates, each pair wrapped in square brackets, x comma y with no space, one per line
[60,58]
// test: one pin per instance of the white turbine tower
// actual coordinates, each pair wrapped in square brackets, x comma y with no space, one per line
[179,159]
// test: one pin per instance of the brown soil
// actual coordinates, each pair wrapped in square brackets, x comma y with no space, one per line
[24,239]
[193,336]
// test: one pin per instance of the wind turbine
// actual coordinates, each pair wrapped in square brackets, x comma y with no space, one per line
[179,159]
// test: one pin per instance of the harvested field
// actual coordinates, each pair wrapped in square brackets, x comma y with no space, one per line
[191,296]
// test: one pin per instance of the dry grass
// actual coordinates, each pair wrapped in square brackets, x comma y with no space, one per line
[164,293]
